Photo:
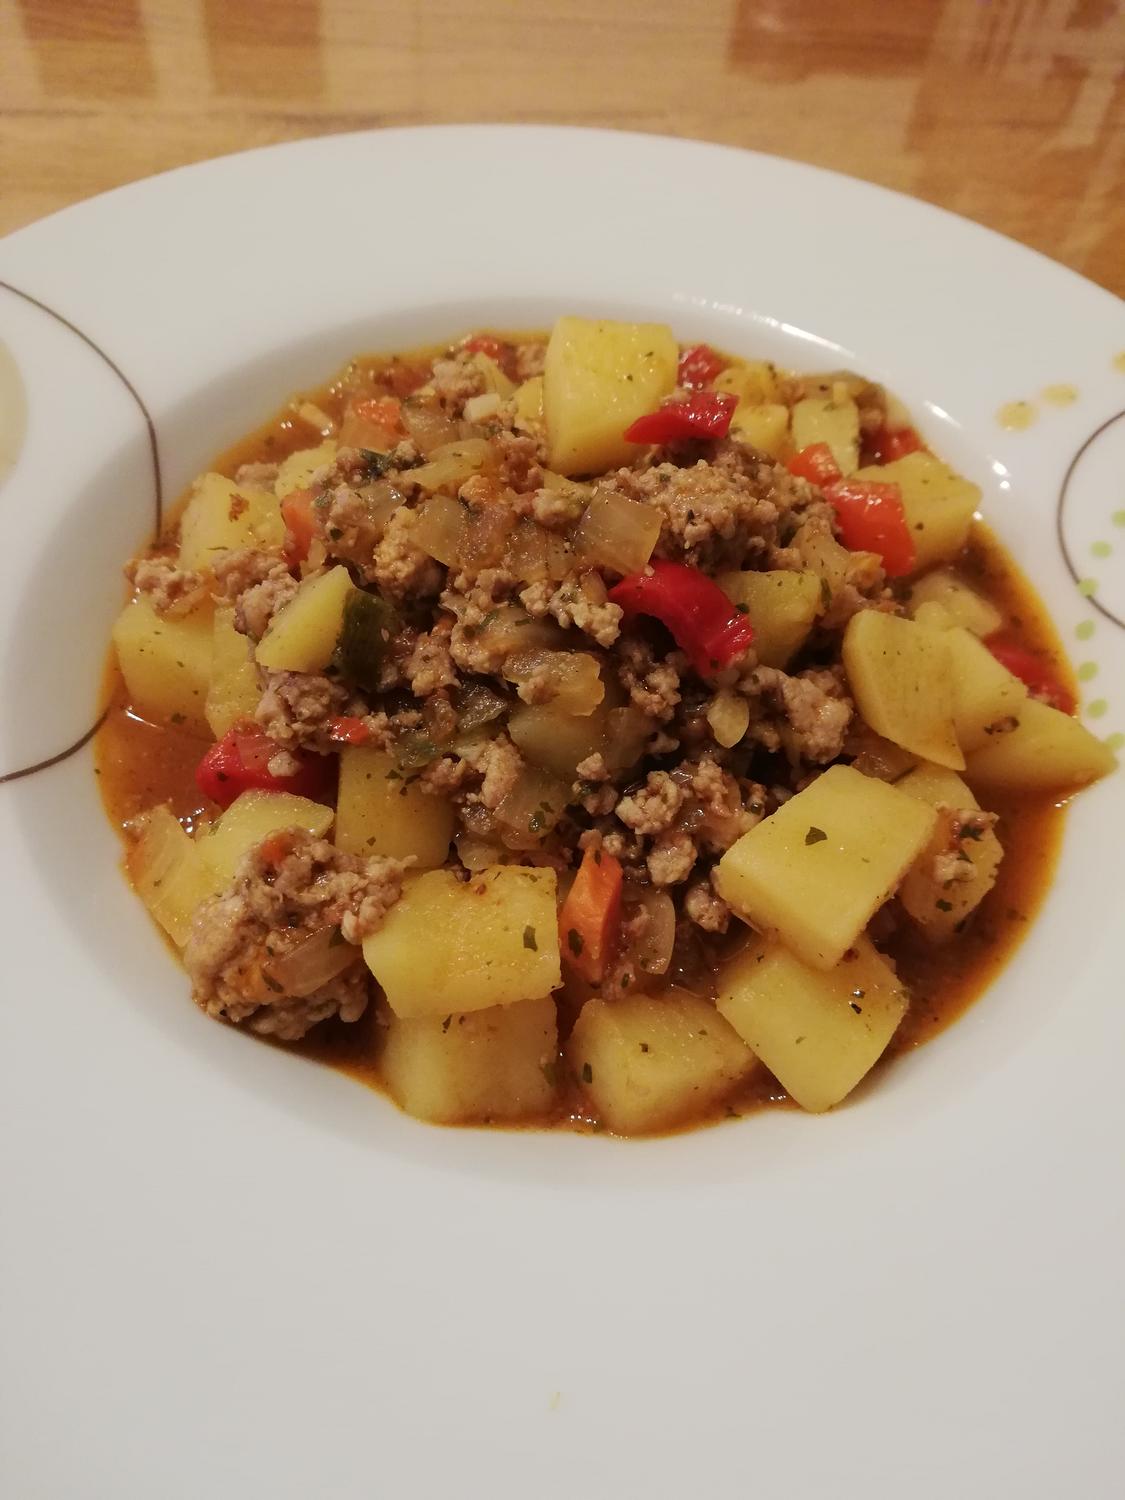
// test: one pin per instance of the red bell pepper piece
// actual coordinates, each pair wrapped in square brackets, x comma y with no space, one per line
[239,762]
[299,515]
[871,519]
[704,414]
[703,621]
[1032,670]
[346,730]
[886,444]
[590,916]
[816,464]
[699,365]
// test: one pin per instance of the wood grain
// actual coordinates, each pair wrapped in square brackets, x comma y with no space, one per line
[1009,111]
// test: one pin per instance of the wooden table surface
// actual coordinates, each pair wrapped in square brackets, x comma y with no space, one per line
[1009,111]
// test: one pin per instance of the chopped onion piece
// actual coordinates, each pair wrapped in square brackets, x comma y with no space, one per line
[441,528]
[617,533]
[626,735]
[428,426]
[653,947]
[531,809]
[478,705]
[478,408]
[728,714]
[477,853]
[451,464]
[570,679]
[314,962]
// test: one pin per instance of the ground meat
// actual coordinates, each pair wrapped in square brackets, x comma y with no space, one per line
[169,589]
[239,568]
[258,475]
[430,665]
[593,768]
[530,359]
[350,532]
[499,764]
[952,864]
[445,777]
[286,889]
[579,601]
[521,458]
[254,609]
[705,908]
[816,713]
[399,567]
[718,814]
[296,709]
[653,807]
[456,379]
[714,514]
[653,686]
[671,858]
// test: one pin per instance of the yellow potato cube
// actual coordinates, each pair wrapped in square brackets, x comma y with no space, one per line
[252,817]
[599,377]
[821,419]
[816,871]
[303,634]
[940,901]
[649,1062]
[939,504]
[817,1031]
[234,689]
[987,698]
[902,680]
[168,873]
[782,607]
[529,404]
[753,381]
[765,427]
[166,663]
[222,515]
[494,1064]
[962,604]
[452,946]
[1048,751]
[380,811]
[297,470]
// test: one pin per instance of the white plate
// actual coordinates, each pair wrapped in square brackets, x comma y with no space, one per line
[229,1272]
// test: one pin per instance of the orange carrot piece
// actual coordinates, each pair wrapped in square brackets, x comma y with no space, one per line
[591,915]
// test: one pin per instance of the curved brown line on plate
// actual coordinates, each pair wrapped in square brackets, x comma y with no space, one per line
[157,482]
[158,497]
[54,760]
[1091,599]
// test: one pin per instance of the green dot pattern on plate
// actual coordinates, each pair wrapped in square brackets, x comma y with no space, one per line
[1115,742]
[1085,630]
[1087,587]
[1119,517]
[1087,671]
[1101,549]
[1098,708]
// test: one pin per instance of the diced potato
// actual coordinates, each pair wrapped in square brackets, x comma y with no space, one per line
[1047,751]
[902,679]
[753,381]
[529,404]
[298,469]
[819,419]
[939,504]
[495,381]
[817,870]
[939,905]
[379,811]
[782,607]
[599,377]
[987,698]
[234,689]
[494,1064]
[303,634]
[449,946]
[252,817]
[817,1031]
[168,873]
[222,515]
[166,663]
[961,603]
[557,741]
[765,427]
[648,1062]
